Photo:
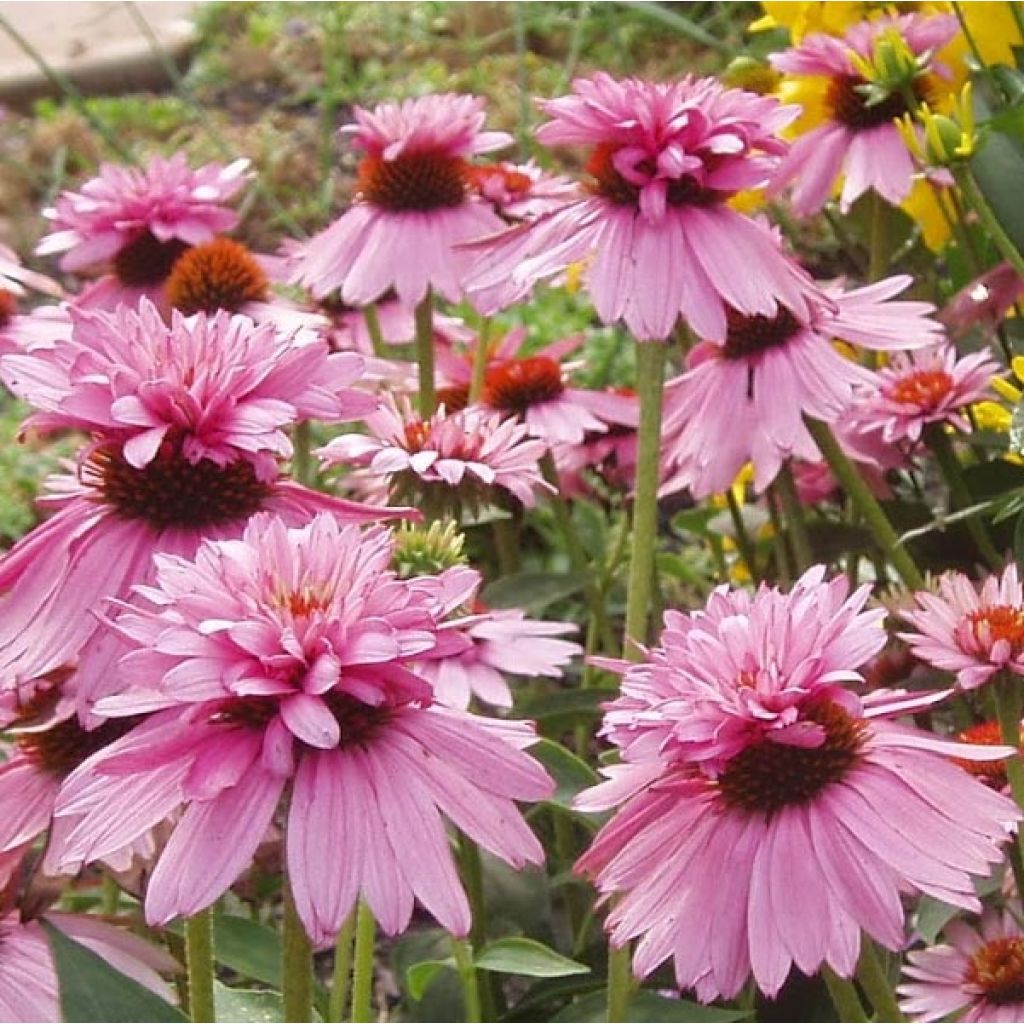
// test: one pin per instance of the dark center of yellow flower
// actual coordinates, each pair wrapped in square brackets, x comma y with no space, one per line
[769,776]
[751,335]
[850,106]
[610,184]
[221,274]
[146,260]
[414,181]
[171,491]
[997,969]
[516,385]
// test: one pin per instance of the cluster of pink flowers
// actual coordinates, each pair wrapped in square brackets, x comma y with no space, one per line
[213,642]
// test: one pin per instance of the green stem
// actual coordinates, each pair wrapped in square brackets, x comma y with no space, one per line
[880,253]
[743,542]
[199,965]
[303,468]
[372,318]
[938,440]
[342,977]
[650,381]
[480,357]
[424,317]
[620,982]
[506,543]
[785,487]
[853,483]
[362,974]
[471,869]
[578,557]
[110,897]
[874,980]
[1003,242]
[463,953]
[779,546]
[1007,696]
[844,997]
[296,964]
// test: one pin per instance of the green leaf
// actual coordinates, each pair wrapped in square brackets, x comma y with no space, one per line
[575,705]
[92,990]
[648,1006]
[420,975]
[571,774]
[247,1005]
[527,957]
[684,26]
[998,168]
[932,916]
[1018,540]
[534,591]
[252,949]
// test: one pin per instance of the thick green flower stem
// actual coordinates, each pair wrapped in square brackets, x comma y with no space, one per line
[424,316]
[296,964]
[874,517]
[938,440]
[650,382]
[303,468]
[480,354]
[874,980]
[744,545]
[472,871]
[965,179]
[844,997]
[462,951]
[578,558]
[620,982]
[880,254]
[1006,693]
[342,977]
[785,487]
[372,319]
[199,965]
[362,972]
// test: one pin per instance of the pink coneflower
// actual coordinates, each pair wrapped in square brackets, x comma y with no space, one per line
[414,204]
[766,813]
[522,191]
[470,456]
[188,428]
[921,388]
[535,388]
[985,301]
[287,657]
[745,400]
[16,281]
[223,274]
[655,229]
[138,221]
[859,138]
[974,633]
[976,975]
[28,978]
[48,744]
[499,642]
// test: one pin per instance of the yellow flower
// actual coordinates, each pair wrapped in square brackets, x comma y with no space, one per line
[992,25]
[923,206]
[831,16]
[991,416]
